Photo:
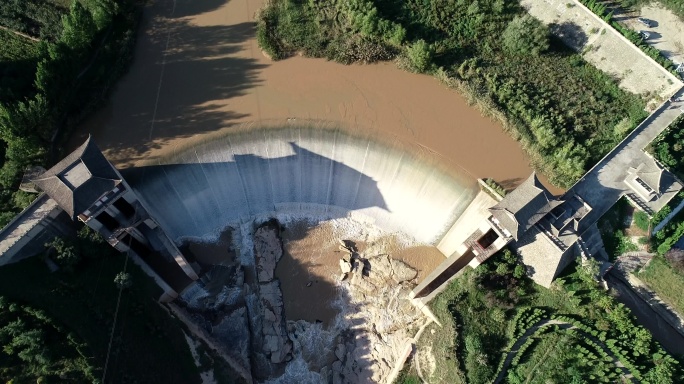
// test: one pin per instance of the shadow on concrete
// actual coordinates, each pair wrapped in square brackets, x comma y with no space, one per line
[194,199]
[316,343]
[570,33]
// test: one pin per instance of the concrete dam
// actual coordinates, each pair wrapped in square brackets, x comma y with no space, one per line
[320,172]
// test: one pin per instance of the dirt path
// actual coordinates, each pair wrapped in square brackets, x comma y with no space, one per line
[198,70]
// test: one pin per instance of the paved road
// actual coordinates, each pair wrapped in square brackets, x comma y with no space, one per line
[604,184]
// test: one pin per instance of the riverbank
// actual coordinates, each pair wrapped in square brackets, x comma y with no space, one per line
[198,71]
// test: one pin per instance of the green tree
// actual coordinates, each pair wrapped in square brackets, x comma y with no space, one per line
[526,35]
[123,280]
[65,252]
[419,55]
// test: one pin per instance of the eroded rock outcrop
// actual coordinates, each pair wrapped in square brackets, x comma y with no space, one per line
[268,250]
[379,317]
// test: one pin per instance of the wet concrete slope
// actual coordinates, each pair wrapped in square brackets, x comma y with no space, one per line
[323,171]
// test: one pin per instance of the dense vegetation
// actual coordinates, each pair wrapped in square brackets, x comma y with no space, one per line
[612,226]
[37,349]
[665,275]
[667,148]
[148,344]
[18,61]
[486,310]
[565,112]
[36,18]
[56,83]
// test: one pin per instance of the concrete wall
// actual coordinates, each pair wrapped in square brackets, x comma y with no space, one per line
[326,172]
[27,233]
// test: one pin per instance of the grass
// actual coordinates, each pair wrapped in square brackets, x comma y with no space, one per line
[561,356]
[148,346]
[481,309]
[612,226]
[666,282]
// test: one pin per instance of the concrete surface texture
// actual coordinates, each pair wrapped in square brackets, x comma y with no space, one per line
[604,47]
[327,172]
[667,33]
[604,184]
[25,235]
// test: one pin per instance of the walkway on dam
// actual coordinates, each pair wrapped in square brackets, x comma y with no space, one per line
[603,185]
[24,222]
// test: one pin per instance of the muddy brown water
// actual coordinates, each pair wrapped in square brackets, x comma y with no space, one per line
[198,71]
[310,271]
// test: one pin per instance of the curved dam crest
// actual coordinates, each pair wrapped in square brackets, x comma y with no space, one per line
[323,172]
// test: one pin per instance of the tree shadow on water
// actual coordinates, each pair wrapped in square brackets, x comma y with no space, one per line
[181,84]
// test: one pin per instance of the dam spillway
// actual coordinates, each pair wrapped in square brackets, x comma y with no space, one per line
[318,171]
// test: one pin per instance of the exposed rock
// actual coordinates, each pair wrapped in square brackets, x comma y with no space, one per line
[381,268]
[340,351]
[269,315]
[270,343]
[233,331]
[345,266]
[361,284]
[268,249]
[402,272]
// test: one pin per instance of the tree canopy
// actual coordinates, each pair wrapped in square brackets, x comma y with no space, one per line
[526,35]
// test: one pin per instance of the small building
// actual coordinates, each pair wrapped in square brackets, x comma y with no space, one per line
[88,188]
[523,207]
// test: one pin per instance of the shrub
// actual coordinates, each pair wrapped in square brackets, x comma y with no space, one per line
[526,35]
[419,55]
[65,252]
[123,280]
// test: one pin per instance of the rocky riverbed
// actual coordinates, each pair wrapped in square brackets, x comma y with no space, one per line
[239,305]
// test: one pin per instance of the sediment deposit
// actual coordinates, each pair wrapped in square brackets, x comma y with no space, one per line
[374,318]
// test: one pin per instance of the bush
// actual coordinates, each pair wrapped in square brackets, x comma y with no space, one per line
[641,220]
[526,35]
[419,55]
[123,280]
[65,252]
[265,34]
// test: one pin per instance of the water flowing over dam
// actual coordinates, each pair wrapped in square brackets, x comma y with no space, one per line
[322,172]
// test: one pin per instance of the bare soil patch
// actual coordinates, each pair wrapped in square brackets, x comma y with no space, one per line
[668,33]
